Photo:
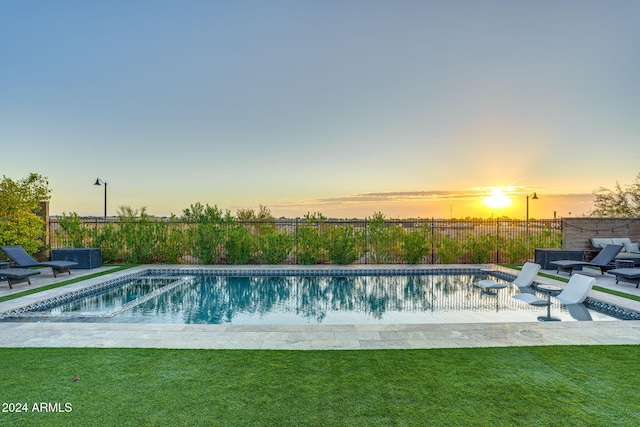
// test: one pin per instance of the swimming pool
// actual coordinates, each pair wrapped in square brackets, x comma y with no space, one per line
[304,296]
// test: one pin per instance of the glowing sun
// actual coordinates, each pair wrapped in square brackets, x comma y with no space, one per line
[497,199]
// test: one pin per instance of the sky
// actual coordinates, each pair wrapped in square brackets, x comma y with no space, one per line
[410,108]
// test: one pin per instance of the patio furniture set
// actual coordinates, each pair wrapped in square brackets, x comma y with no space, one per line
[626,262]
[572,296]
[629,252]
[22,260]
[619,259]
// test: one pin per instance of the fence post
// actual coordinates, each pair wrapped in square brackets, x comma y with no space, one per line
[433,240]
[497,241]
[366,241]
[297,226]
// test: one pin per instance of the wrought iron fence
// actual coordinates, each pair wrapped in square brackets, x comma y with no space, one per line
[309,241]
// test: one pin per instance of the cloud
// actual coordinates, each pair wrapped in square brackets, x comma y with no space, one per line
[399,196]
[426,195]
[435,203]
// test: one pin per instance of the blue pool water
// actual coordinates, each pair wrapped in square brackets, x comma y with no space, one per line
[295,299]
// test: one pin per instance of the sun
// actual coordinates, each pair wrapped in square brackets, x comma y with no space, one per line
[497,199]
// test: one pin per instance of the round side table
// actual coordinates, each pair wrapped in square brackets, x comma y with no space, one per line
[548,289]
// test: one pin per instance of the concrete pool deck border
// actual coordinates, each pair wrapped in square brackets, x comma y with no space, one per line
[309,337]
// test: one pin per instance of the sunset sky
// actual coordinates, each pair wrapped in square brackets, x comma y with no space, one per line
[410,108]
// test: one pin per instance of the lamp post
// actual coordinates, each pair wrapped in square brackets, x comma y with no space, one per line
[532,196]
[101,182]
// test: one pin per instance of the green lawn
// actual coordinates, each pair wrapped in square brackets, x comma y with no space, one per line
[527,386]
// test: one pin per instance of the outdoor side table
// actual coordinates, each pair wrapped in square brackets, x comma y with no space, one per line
[548,289]
[624,263]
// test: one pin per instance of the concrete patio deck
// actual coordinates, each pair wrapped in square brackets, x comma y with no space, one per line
[307,337]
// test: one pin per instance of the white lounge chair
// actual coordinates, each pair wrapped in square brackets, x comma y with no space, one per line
[577,289]
[524,280]
[576,292]
[527,295]
[527,275]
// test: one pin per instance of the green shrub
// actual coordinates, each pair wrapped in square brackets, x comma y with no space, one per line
[416,245]
[275,247]
[170,241]
[517,250]
[449,250]
[138,233]
[310,242]
[546,238]
[107,238]
[383,240]
[72,233]
[239,246]
[261,222]
[207,233]
[478,248]
[343,244]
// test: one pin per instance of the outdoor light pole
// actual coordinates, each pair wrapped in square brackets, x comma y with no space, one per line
[101,182]
[532,196]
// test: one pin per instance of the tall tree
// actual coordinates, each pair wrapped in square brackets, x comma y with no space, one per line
[622,202]
[19,206]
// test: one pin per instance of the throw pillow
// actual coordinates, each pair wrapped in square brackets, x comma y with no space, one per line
[631,247]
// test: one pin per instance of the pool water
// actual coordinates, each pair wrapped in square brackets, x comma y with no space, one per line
[402,299]
[108,301]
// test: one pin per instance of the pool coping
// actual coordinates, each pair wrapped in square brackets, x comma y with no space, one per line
[310,337]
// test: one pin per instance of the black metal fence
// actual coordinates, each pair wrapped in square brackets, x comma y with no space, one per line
[308,241]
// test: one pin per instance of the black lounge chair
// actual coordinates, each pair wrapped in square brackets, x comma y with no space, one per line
[631,275]
[603,261]
[16,275]
[19,256]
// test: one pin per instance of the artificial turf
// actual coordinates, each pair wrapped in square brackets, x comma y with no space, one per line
[514,386]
